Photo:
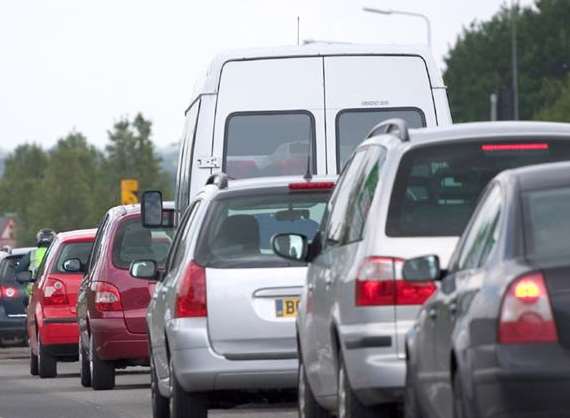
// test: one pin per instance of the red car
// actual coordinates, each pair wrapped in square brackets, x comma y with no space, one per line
[112,305]
[52,318]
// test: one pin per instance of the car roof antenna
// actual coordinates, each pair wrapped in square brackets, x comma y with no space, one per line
[309,173]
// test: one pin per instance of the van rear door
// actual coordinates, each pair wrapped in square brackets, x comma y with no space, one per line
[361,91]
[270,112]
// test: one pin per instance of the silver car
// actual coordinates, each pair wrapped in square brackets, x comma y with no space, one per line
[402,194]
[222,318]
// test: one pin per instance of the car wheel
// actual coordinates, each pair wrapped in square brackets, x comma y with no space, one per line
[102,372]
[84,366]
[186,405]
[47,364]
[33,363]
[458,398]
[160,404]
[411,407]
[308,405]
[349,406]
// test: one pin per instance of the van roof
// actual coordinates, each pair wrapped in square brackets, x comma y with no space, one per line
[209,82]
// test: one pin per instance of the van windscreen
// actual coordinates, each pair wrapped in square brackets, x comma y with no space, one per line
[353,125]
[437,186]
[260,144]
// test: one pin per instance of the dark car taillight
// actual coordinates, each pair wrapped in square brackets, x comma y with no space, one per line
[8,292]
[191,294]
[107,297]
[54,293]
[526,313]
[379,283]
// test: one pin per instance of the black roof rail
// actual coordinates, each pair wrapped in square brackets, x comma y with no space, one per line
[218,179]
[396,126]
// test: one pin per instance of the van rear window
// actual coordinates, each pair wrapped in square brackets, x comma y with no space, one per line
[260,144]
[437,186]
[353,125]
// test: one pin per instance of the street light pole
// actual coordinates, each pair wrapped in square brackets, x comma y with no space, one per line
[403,13]
[515,63]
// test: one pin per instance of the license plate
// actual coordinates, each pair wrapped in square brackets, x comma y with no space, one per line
[286,307]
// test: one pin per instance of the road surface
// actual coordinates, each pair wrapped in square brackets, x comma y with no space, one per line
[24,396]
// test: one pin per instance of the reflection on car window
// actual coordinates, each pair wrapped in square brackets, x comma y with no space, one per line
[238,232]
[268,144]
[134,242]
[547,216]
[353,125]
[80,250]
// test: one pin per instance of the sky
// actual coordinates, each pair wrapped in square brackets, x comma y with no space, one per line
[84,64]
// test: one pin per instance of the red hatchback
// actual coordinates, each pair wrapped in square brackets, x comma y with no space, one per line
[112,305]
[52,318]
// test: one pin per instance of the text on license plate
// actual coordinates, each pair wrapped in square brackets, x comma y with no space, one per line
[286,307]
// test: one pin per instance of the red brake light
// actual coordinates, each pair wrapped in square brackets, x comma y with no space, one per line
[312,185]
[380,283]
[515,147]
[107,297]
[191,299]
[8,292]
[54,292]
[526,313]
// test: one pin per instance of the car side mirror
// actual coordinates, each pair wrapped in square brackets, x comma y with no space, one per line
[73,265]
[290,246]
[24,277]
[144,269]
[422,269]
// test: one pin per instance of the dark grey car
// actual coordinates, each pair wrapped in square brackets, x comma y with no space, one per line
[494,341]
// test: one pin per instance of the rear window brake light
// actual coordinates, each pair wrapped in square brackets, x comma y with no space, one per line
[312,185]
[529,146]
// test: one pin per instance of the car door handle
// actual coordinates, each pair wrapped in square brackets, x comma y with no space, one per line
[432,313]
[453,308]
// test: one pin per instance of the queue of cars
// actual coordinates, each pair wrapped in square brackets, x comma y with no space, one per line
[278,281]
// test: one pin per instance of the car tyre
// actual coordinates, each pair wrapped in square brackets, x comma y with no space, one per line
[349,406]
[411,406]
[102,372]
[307,405]
[184,404]
[34,371]
[47,364]
[84,366]
[459,410]
[160,404]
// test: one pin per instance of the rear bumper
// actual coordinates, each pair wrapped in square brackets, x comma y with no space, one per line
[375,371]
[199,368]
[521,382]
[59,331]
[114,342]
[12,327]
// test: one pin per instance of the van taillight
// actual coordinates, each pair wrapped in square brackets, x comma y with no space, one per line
[379,283]
[107,297]
[191,294]
[526,313]
[54,293]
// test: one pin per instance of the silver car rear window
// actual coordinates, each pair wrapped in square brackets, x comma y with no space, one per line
[238,230]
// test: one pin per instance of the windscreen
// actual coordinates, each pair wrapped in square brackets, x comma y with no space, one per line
[353,125]
[134,242]
[548,225]
[79,250]
[268,144]
[238,232]
[438,186]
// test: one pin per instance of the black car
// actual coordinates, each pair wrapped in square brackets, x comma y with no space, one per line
[494,340]
[13,299]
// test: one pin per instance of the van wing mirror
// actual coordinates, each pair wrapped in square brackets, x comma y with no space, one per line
[151,209]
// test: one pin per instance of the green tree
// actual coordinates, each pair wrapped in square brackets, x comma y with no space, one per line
[67,199]
[560,110]
[131,154]
[479,64]
[20,186]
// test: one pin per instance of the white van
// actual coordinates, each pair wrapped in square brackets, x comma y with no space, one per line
[259,112]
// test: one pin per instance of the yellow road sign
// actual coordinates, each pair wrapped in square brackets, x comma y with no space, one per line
[129,191]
